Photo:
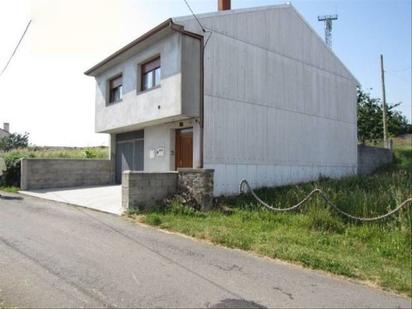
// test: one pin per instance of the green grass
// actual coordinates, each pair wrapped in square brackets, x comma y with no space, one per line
[10,189]
[63,152]
[316,237]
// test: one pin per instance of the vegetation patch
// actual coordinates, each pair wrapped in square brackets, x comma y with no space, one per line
[13,157]
[316,236]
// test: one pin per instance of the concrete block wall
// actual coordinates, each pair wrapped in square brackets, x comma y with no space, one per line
[62,173]
[199,184]
[142,190]
[370,158]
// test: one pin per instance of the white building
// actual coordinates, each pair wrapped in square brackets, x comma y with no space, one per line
[265,100]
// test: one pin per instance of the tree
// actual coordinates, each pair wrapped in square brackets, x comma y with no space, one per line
[370,123]
[14,141]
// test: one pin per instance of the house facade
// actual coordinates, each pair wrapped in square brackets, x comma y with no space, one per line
[252,94]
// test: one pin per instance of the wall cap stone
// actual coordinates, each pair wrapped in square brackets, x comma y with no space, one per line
[195,170]
[150,173]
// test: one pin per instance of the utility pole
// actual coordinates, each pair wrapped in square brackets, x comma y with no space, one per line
[327,19]
[384,108]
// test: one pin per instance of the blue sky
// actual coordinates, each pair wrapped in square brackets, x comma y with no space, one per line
[67,37]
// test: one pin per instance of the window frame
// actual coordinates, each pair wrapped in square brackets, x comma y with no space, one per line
[110,88]
[143,72]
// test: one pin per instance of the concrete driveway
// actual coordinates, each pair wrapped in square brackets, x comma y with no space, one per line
[62,256]
[102,198]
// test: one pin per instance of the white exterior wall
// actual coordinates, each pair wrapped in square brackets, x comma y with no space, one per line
[163,136]
[168,102]
[280,107]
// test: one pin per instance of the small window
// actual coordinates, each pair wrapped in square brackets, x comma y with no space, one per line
[116,89]
[151,74]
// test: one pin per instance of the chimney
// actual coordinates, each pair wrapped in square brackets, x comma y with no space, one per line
[223,5]
[6,126]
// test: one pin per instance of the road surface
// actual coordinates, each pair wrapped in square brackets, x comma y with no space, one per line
[53,255]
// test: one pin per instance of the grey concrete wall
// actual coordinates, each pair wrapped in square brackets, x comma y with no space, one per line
[141,190]
[370,158]
[199,184]
[61,173]
[280,107]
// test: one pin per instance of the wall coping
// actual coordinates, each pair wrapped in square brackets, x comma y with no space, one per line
[374,147]
[150,173]
[195,170]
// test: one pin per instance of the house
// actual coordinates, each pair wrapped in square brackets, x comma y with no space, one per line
[256,94]
[5,131]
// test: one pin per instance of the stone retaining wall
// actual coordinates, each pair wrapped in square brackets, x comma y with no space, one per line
[199,184]
[63,173]
[370,158]
[142,190]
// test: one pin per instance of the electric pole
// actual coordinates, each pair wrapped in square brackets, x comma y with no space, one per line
[327,19]
[384,108]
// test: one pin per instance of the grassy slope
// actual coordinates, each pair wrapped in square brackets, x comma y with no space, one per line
[316,237]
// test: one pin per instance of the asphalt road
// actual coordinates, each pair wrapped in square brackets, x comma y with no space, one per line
[60,256]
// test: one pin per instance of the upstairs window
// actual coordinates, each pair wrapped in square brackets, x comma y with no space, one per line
[151,74]
[116,89]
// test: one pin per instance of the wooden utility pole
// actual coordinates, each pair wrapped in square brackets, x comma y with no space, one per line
[384,108]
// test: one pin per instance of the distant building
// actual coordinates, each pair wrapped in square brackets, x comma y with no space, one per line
[265,100]
[5,131]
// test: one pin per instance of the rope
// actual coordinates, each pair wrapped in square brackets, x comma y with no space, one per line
[244,184]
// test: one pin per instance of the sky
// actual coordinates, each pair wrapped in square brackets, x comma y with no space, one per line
[44,91]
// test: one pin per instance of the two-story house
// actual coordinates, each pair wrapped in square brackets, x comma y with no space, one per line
[251,93]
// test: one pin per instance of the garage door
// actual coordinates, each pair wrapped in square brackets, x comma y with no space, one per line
[129,152]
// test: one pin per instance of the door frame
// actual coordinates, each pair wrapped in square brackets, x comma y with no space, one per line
[177,134]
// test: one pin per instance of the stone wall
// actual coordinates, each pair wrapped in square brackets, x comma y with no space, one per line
[142,190]
[61,173]
[199,184]
[370,158]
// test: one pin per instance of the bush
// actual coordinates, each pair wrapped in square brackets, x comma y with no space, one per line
[13,164]
[14,141]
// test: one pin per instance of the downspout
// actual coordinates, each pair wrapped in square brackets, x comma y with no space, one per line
[180,29]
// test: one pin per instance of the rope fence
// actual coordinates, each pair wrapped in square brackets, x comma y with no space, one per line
[245,188]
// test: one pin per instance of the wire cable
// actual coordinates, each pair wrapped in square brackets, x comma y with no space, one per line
[194,15]
[244,184]
[15,49]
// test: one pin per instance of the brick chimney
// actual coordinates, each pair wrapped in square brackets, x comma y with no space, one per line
[223,5]
[6,126]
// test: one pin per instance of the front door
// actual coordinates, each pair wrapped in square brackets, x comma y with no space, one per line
[184,148]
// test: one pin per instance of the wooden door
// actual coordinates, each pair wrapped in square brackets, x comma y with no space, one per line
[184,148]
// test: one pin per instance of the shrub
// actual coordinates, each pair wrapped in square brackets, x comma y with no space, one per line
[14,141]
[13,164]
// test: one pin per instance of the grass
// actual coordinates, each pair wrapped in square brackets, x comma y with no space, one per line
[316,237]
[60,152]
[10,189]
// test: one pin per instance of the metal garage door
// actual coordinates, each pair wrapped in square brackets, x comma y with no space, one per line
[129,152]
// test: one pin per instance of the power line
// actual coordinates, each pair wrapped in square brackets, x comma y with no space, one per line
[194,15]
[15,49]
